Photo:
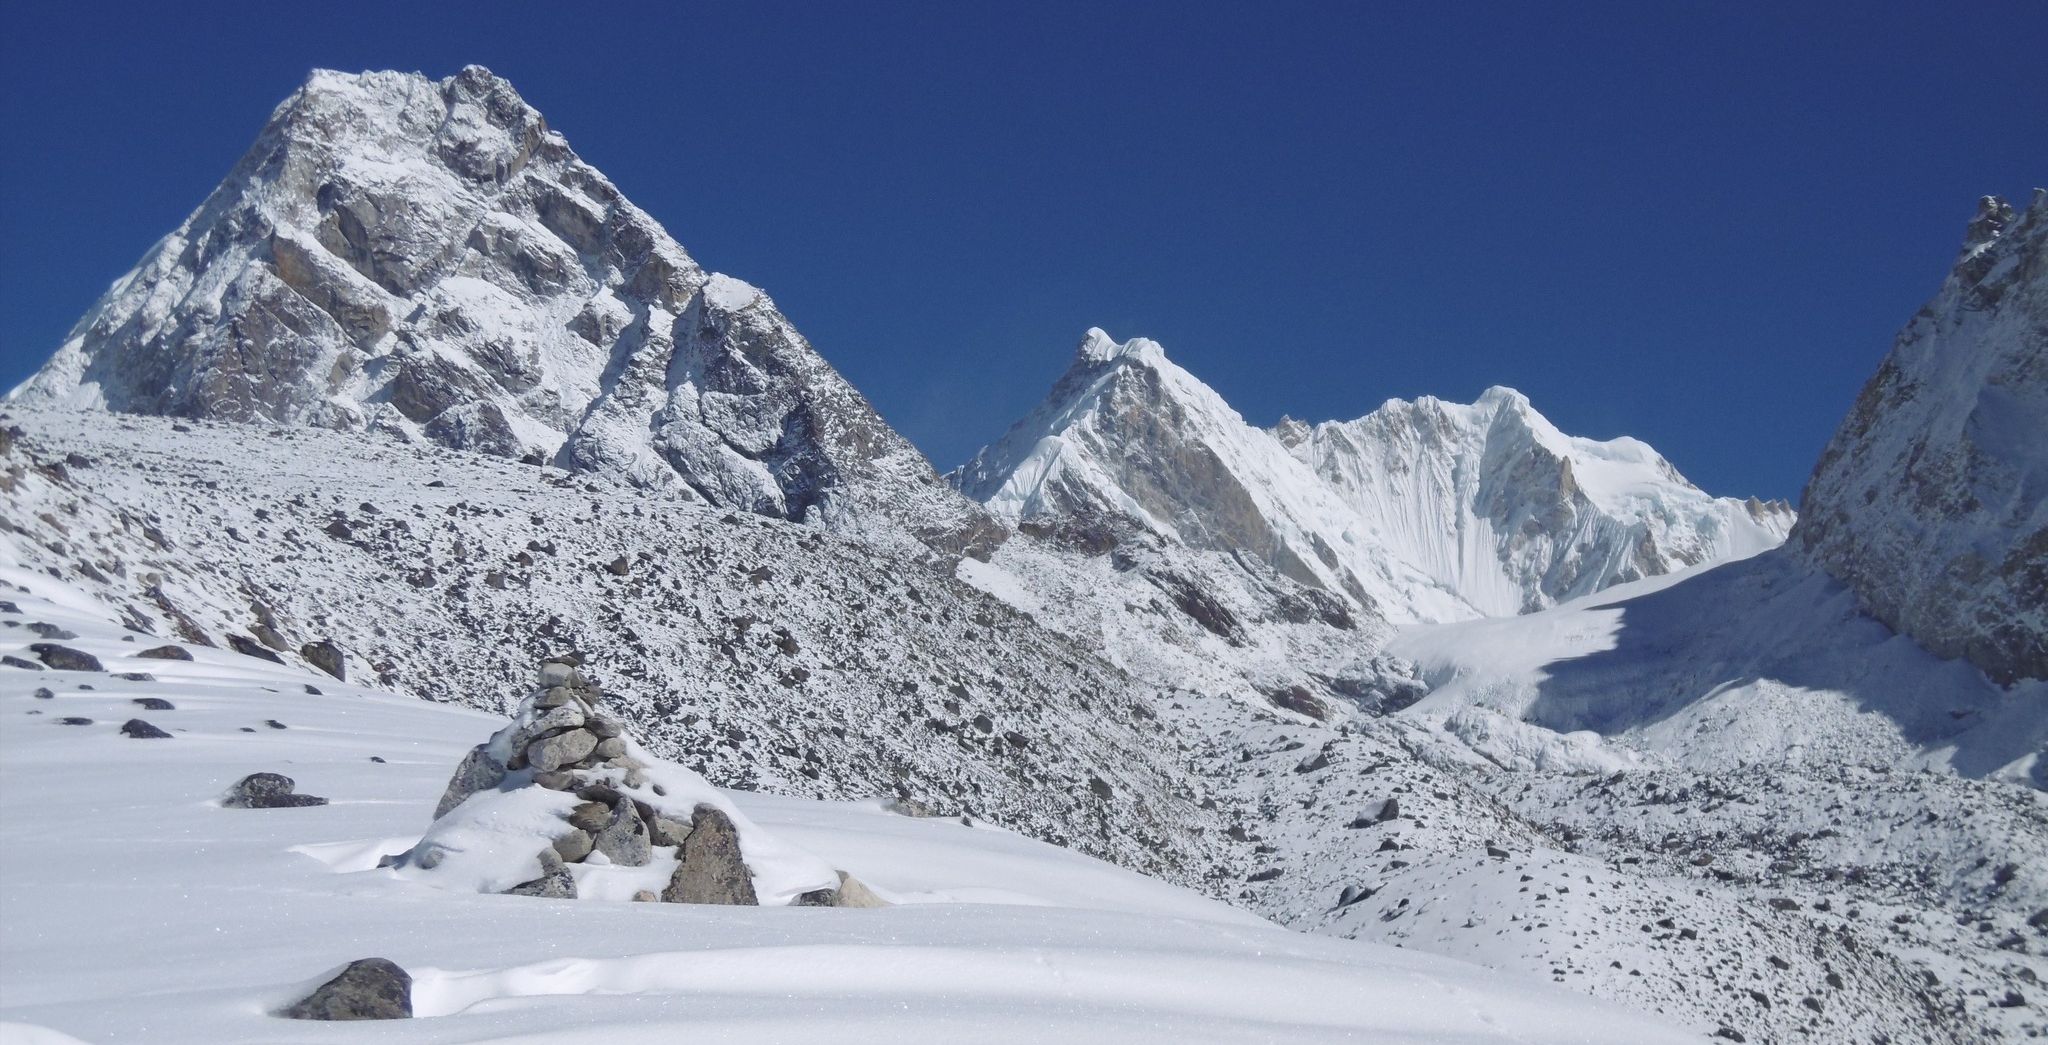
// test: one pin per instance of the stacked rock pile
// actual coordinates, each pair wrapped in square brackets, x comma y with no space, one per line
[619,807]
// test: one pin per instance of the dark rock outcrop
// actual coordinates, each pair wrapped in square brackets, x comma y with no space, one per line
[367,989]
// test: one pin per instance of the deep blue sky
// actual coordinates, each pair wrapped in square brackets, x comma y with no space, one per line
[1699,224]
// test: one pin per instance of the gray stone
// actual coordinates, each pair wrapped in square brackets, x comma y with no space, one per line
[556,780]
[327,657]
[664,832]
[713,870]
[850,893]
[855,893]
[13,661]
[560,750]
[367,989]
[64,658]
[249,647]
[555,881]
[565,716]
[605,727]
[573,845]
[141,730]
[609,747]
[556,673]
[590,816]
[267,791]
[51,631]
[166,653]
[154,704]
[623,839]
[477,771]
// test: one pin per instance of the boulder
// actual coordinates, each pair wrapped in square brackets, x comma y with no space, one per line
[555,881]
[64,658]
[664,832]
[267,791]
[327,657]
[623,840]
[154,704]
[249,647]
[712,870]
[574,844]
[165,653]
[476,772]
[141,730]
[367,989]
[561,749]
[13,661]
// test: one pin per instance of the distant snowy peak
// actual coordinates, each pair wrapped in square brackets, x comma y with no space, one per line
[1495,502]
[1931,500]
[1424,510]
[427,258]
[1126,433]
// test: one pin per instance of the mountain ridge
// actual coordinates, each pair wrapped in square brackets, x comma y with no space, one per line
[428,259]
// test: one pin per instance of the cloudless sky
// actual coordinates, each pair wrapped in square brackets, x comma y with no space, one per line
[1695,223]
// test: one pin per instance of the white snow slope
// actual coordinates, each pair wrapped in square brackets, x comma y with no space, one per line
[1763,660]
[133,907]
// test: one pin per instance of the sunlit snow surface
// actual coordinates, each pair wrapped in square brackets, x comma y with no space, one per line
[136,908]
[1760,660]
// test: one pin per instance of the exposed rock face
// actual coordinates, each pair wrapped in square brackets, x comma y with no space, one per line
[430,259]
[368,989]
[1931,501]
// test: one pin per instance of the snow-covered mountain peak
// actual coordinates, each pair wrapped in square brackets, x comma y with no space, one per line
[1097,346]
[1931,500]
[427,259]
[1493,500]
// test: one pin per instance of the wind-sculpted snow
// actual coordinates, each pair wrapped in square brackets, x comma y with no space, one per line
[430,259]
[1931,501]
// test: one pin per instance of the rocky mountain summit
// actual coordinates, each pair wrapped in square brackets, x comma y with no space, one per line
[1931,500]
[429,259]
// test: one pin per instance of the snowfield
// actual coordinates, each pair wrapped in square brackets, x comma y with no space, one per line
[134,907]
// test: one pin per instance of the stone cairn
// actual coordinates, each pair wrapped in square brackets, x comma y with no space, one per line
[563,740]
